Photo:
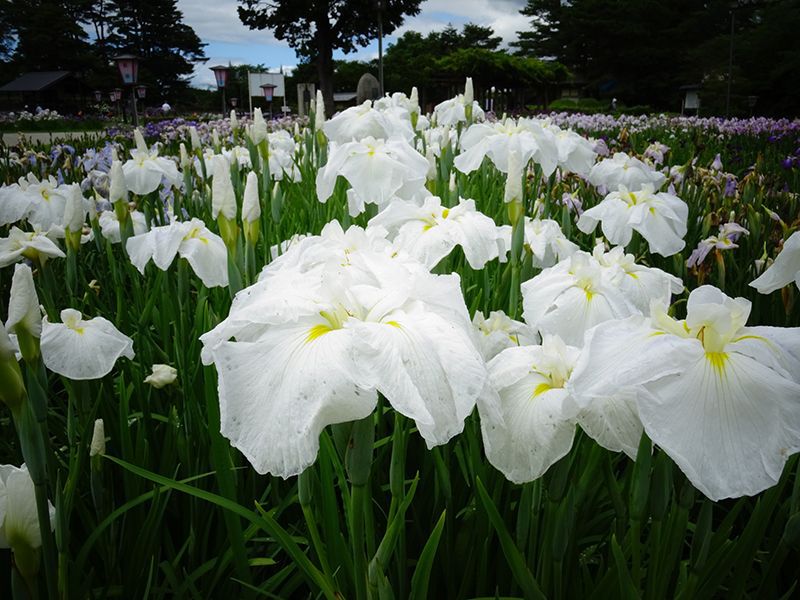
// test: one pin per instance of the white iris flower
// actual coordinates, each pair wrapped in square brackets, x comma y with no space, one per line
[145,170]
[376,170]
[660,218]
[204,250]
[81,349]
[720,398]
[784,270]
[334,321]
[584,290]
[431,231]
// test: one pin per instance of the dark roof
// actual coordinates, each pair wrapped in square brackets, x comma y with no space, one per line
[35,81]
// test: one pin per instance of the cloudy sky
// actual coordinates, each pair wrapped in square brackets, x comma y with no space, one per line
[217,24]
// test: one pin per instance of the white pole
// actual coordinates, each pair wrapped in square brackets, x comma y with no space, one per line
[283,81]
[249,96]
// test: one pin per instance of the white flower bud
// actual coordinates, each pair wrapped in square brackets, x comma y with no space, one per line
[431,175]
[141,145]
[161,376]
[215,137]
[513,191]
[117,190]
[98,446]
[251,207]
[195,137]
[413,101]
[319,116]
[23,304]
[74,210]
[186,162]
[469,94]
[258,131]
[223,199]
[234,120]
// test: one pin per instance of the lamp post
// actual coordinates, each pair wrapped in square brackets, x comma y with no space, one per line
[269,90]
[128,65]
[114,95]
[380,45]
[141,92]
[221,76]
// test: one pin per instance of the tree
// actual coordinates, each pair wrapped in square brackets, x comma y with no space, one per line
[154,30]
[47,35]
[643,51]
[315,28]
[449,55]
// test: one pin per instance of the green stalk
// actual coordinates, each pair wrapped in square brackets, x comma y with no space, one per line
[358,461]
[358,504]
[221,461]
[32,442]
[304,494]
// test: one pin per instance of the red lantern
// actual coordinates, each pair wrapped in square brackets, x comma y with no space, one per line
[221,75]
[128,65]
[269,90]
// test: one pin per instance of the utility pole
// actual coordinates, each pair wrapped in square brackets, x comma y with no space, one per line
[380,46]
[730,67]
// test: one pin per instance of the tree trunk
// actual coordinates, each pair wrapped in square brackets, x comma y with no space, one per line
[324,41]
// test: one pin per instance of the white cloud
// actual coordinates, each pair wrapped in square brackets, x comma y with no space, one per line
[501,15]
[218,21]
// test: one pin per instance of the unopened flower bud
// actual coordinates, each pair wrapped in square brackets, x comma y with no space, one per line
[98,445]
[161,376]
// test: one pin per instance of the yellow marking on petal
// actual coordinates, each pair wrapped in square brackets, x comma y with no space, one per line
[394,324]
[195,234]
[634,275]
[751,337]
[317,331]
[445,212]
[717,360]
[541,389]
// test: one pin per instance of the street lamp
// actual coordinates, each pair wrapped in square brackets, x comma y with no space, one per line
[234,102]
[221,75]
[141,91]
[114,95]
[379,6]
[128,65]
[269,90]
[98,96]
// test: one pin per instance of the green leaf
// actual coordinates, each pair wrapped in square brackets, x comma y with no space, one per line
[626,587]
[422,574]
[516,562]
[264,521]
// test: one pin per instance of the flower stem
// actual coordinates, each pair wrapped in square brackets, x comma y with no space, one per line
[358,504]
[358,461]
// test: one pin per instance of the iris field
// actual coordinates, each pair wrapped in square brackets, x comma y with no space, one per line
[396,355]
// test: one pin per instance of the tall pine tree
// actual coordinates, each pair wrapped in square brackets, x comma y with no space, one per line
[46,35]
[153,30]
